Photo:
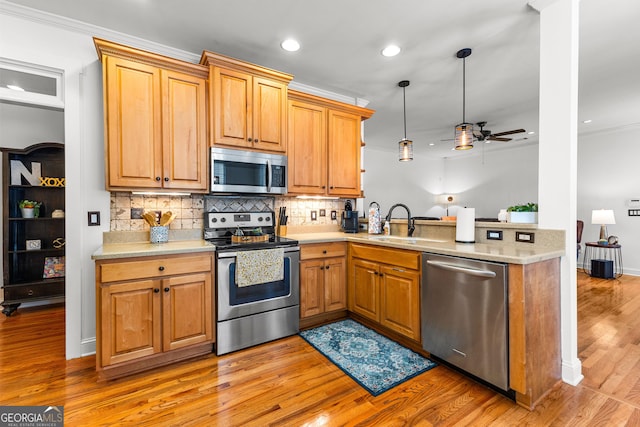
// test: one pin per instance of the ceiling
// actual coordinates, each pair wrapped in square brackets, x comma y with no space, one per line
[340,52]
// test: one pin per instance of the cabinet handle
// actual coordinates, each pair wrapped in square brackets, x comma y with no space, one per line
[156,290]
[157,178]
[166,289]
[161,268]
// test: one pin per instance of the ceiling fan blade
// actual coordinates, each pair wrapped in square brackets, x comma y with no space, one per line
[509,132]
[497,138]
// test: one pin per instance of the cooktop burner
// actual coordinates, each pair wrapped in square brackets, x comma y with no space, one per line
[220,226]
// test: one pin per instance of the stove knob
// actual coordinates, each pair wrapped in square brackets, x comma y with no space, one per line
[223,219]
[214,220]
[267,218]
[259,219]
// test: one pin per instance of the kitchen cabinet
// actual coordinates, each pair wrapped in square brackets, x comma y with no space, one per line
[152,311]
[323,277]
[155,121]
[248,104]
[33,248]
[384,286]
[324,146]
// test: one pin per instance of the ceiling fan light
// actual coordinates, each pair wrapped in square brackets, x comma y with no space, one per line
[464,136]
[405,150]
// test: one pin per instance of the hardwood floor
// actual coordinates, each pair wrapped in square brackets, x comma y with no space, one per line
[288,383]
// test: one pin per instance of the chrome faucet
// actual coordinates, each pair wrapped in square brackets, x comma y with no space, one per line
[410,222]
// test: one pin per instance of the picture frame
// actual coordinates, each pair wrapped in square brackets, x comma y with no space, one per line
[53,267]
[33,245]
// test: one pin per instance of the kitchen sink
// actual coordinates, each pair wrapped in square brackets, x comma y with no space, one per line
[405,239]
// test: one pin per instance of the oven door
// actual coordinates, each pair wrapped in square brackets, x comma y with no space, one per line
[236,171]
[234,301]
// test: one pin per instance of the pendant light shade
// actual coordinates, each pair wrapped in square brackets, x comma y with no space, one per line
[405,146]
[463,136]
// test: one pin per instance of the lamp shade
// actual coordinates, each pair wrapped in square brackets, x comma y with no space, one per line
[405,150]
[464,136]
[602,216]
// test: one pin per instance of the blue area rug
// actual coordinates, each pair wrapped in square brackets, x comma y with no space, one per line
[373,361]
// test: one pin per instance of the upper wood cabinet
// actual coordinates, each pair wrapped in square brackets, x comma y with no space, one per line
[248,104]
[324,144]
[155,121]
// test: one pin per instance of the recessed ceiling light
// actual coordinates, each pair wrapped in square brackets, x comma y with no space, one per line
[431,144]
[290,45]
[14,87]
[488,141]
[587,121]
[391,50]
[531,133]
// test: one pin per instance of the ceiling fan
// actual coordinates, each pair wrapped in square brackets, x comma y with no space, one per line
[486,135]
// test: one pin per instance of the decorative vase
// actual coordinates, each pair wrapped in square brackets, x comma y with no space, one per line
[523,217]
[502,215]
[28,212]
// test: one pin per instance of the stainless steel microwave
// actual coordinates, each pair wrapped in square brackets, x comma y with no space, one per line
[240,171]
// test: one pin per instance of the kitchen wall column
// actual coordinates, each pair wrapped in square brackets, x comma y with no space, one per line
[557,186]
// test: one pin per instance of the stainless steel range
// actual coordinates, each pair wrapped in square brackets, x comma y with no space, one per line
[268,306]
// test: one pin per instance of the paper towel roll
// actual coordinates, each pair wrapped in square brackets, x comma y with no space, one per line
[466,225]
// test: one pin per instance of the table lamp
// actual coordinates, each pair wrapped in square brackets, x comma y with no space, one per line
[602,217]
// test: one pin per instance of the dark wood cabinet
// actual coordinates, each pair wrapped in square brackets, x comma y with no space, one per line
[33,248]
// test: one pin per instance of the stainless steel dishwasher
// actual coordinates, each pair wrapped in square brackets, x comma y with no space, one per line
[464,315]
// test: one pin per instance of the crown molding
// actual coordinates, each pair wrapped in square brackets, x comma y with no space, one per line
[72,25]
[360,102]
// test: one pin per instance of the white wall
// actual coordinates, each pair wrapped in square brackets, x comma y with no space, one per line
[607,176]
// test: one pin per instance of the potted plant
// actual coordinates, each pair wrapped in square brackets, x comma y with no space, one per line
[29,208]
[526,214]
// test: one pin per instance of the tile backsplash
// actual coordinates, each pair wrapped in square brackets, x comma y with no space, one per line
[190,210]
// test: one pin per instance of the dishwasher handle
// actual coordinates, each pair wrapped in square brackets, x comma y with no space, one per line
[461,269]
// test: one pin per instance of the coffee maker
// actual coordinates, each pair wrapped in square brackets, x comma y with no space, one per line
[349,221]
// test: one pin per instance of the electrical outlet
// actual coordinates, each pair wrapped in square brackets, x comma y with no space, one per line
[634,212]
[314,215]
[334,215]
[323,212]
[494,234]
[136,213]
[525,237]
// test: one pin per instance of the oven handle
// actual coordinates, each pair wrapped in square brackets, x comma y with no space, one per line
[269,176]
[288,249]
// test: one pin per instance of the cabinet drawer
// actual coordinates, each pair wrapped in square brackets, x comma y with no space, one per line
[140,268]
[322,250]
[396,257]
[34,291]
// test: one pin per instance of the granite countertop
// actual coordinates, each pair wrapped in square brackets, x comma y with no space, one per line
[502,252]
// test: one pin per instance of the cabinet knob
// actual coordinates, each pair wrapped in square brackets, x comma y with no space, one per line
[381,275]
[166,179]
[249,139]
[323,187]
[331,187]
[327,267]
[161,268]
[256,140]
[324,252]
[166,289]
[30,292]
[156,290]
[157,178]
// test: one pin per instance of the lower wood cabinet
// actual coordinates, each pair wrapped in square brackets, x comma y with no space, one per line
[384,286]
[152,311]
[323,278]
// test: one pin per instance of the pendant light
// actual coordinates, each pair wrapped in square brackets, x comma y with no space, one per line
[405,146]
[463,136]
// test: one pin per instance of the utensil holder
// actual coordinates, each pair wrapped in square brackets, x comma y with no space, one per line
[159,234]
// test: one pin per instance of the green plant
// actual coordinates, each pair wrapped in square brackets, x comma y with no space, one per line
[29,204]
[529,207]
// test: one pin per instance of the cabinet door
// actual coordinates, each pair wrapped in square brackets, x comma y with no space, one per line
[307,149]
[400,296]
[311,288]
[131,322]
[364,295]
[232,99]
[344,154]
[335,286]
[187,310]
[269,115]
[133,124]
[184,134]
